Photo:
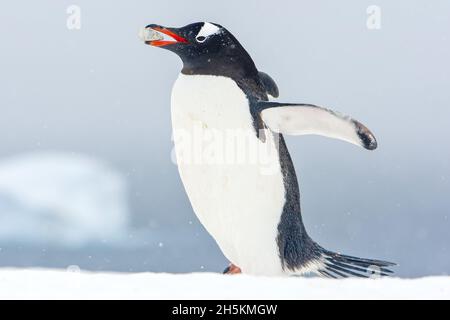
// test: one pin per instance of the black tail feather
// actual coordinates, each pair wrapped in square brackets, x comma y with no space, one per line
[346,271]
[335,265]
[326,274]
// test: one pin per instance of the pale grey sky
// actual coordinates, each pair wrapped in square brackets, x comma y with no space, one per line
[101,92]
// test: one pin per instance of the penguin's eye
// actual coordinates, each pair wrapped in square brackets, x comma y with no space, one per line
[200,39]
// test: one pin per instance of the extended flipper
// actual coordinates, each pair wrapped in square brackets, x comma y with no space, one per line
[303,119]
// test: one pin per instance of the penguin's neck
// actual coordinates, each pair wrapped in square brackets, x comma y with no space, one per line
[236,68]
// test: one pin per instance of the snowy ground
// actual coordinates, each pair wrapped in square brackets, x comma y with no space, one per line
[72,284]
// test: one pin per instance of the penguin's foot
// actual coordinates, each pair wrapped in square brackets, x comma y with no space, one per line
[232,269]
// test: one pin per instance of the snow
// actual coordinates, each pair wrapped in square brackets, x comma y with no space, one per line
[61,198]
[76,284]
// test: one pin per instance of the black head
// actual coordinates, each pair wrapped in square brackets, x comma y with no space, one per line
[204,48]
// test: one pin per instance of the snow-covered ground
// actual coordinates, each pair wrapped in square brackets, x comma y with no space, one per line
[72,284]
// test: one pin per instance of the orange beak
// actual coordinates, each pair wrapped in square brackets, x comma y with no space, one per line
[160,43]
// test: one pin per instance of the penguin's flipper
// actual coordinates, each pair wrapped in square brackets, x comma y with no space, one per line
[269,85]
[304,119]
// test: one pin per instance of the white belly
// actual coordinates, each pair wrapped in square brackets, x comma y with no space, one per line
[233,180]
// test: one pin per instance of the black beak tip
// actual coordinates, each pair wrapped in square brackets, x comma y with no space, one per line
[152,26]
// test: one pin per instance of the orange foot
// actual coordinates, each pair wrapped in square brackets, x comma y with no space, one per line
[232,269]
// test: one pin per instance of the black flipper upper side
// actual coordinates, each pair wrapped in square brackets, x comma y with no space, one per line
[269,85]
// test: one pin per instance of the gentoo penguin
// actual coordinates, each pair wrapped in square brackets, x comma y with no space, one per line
[247,195]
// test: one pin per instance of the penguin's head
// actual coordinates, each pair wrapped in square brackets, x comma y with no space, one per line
[203,47]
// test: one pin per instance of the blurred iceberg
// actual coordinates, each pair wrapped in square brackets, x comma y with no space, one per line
[63,199]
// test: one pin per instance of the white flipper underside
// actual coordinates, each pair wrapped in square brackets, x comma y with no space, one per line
[313,120]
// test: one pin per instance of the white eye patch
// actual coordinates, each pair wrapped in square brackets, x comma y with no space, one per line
[207,30]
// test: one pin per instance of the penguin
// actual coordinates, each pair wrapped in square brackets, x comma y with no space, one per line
[250,207]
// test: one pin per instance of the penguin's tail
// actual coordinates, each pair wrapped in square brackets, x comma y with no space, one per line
[334,265]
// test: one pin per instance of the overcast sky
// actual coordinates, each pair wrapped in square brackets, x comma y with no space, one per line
[100,91]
